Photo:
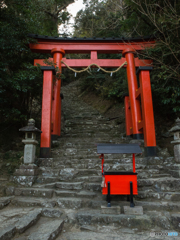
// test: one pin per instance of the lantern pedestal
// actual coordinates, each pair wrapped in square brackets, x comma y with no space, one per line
[26,175]
[176,150]
[29,151]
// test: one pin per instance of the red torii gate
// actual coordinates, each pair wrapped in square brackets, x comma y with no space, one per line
[138,105]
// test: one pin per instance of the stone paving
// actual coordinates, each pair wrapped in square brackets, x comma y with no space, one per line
[65,199]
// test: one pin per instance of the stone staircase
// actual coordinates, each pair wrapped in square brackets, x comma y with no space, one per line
[65,201]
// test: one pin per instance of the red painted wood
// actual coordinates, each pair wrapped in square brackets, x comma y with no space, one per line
[108,63]
[85,47]
[59,118]
[120,184]
[102,162]
[94,55]
[147,109]
[132,86]
[138,93]
[128,116]
[94,48]
[57,56]
[46,109]
[134,165]
[140,125]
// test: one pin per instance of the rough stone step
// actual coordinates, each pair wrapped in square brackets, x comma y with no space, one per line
[108,232]
[33,202]
[74,154]
[90,179]
[62,202]
[94,160]
[91,132]
[84,117]
[92,186]
[49,172]
[77,154]
[75,203]
[161,184]
[174,166]
[46,179]
[34,192]
[27,221]
[7,232]
[92,135]
[94,131]
[110,166]
[69,185]
[158,184]
[91,122]
[71,171]
[152,195]
[89,140]
[68,173]
[4,201]
[141,222]
[81,194]
[66,202]
[17,221]
[75,127]
[144,192]
[174,173]
[157,205]
[46,231]
[111,139]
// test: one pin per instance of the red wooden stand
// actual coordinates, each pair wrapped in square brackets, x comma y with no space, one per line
[119,183]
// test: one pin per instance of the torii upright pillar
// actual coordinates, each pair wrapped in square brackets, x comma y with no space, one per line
[56,119]
[133,86]
[45,147]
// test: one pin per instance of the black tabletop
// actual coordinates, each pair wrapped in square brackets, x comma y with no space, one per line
[118,148]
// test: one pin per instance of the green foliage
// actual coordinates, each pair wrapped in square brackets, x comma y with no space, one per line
[11,160]
[20,81]
[134,18]
[102,19]
[162,20]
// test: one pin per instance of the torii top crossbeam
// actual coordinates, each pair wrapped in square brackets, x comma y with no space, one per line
[86,45]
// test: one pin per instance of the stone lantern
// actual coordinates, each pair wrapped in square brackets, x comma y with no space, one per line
[176,131]
[30,141]
[27,172]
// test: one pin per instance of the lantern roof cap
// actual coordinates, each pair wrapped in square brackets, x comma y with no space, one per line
[176,127]
[30,127]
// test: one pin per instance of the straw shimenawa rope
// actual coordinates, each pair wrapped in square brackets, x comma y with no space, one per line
[94,64]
